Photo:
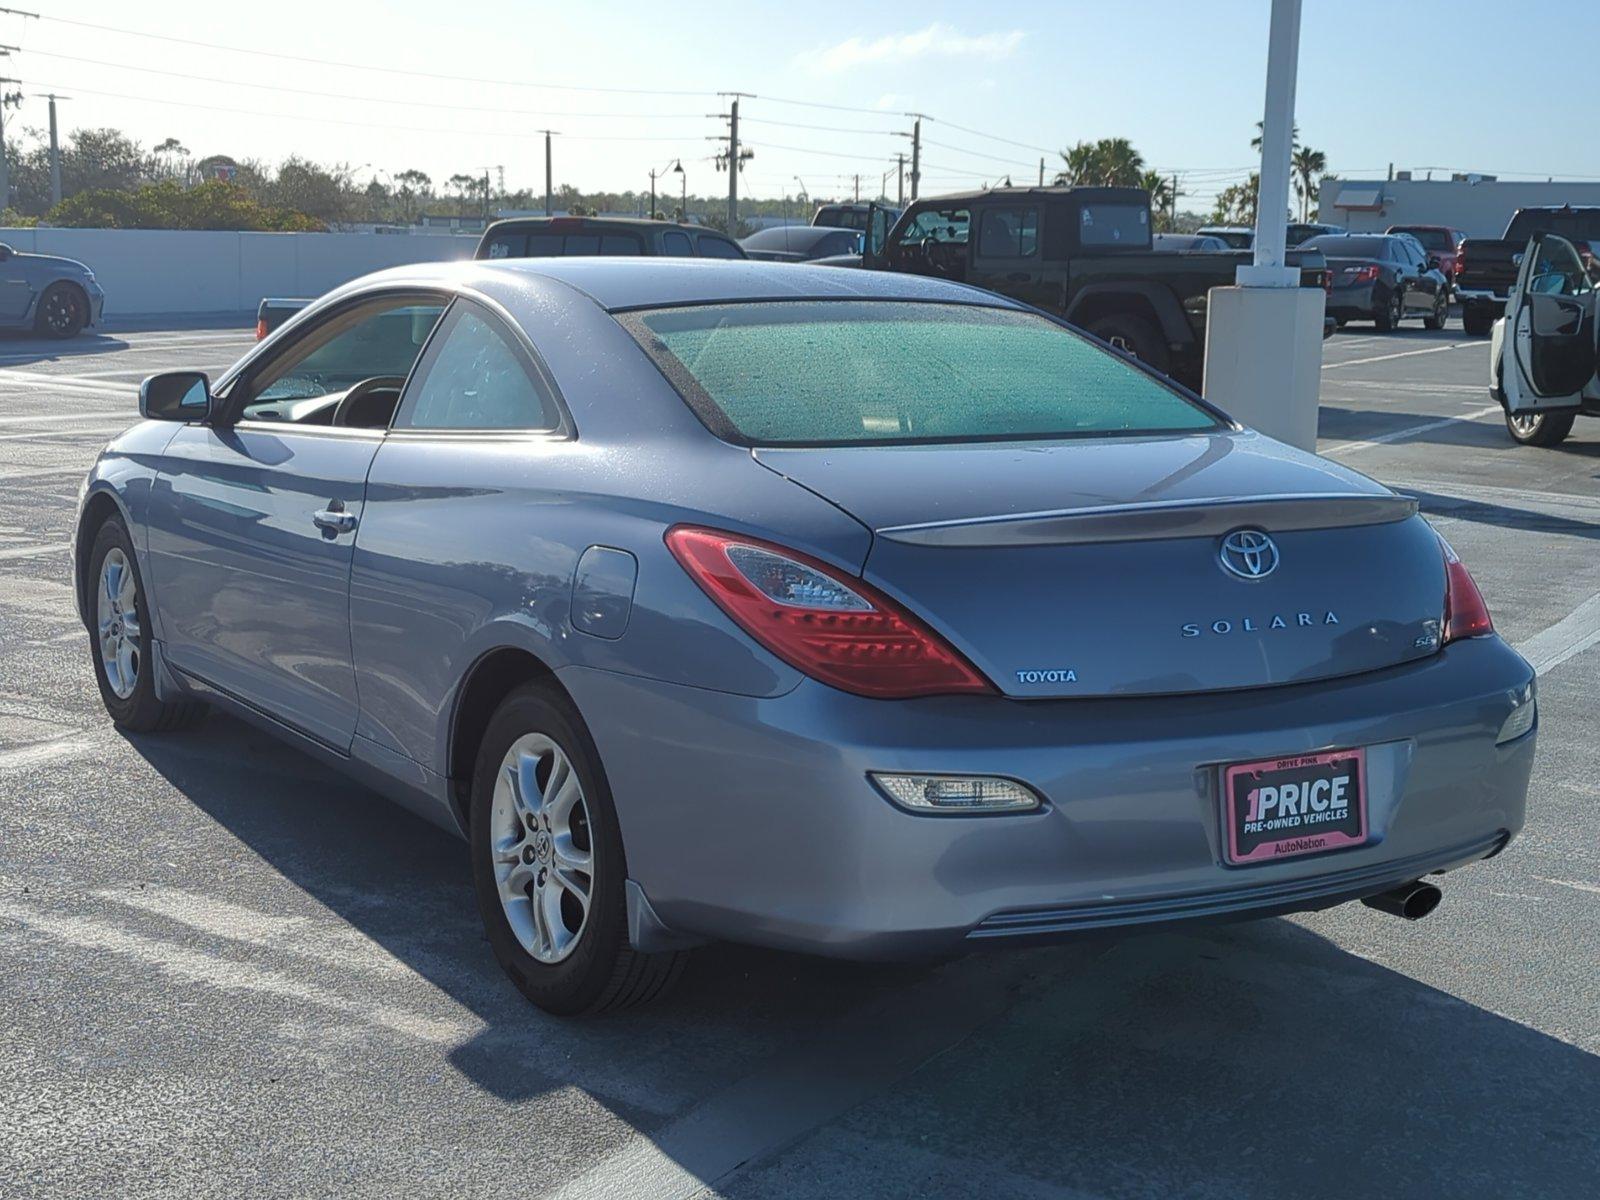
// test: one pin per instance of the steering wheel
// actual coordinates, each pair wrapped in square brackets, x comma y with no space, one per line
[355,405]
[939,257]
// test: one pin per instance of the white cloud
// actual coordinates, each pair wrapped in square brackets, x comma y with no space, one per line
[891,102]
[936,41]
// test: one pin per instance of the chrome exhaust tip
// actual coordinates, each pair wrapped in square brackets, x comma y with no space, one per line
[1413,900]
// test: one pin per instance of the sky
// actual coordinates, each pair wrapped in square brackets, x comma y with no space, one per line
[1416,83]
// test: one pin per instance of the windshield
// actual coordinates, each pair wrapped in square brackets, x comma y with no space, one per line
[849,372]
[1578,225]
[840,217]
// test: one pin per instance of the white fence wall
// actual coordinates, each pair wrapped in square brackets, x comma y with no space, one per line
[151,271]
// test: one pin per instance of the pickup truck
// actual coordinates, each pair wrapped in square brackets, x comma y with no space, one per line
[1486,268]
[1544,353]
[1083,253]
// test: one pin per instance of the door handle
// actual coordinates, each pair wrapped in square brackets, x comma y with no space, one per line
[333,519]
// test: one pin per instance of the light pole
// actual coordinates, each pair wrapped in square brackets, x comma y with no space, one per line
[683,179]
[805,195]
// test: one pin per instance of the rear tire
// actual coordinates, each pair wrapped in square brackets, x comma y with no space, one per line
[1134,336]
[1440,314]
[1389,316]
[1539,428]
[119,636]
[63,311]
[548,863]
[1477,321]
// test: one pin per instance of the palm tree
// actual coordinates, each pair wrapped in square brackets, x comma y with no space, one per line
[1161,194]
[1110,162]
[1261,133]
[1307,165]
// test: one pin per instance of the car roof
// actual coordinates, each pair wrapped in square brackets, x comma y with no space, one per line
[624,282]
[640,224]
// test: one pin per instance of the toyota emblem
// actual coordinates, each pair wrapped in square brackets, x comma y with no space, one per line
[1248,554]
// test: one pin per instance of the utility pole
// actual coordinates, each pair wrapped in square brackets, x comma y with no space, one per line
[900,181]
[735,157]
[1041,172]
[858,187]
[6,100]
[916,154]
[55,151]
[548,134]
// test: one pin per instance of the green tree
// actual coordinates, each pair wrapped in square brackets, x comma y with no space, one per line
[165,205]
[1109,162]
[1236,205]
[1308,166]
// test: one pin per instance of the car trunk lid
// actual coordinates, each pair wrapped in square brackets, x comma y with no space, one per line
[1096,567]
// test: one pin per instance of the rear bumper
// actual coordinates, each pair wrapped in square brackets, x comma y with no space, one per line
[1479,296]
[752,820]
[1353,302]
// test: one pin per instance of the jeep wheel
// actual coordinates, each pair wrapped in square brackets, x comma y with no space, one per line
[1477,320]
[1134,336]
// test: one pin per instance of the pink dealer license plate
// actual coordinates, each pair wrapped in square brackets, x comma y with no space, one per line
[1284,807]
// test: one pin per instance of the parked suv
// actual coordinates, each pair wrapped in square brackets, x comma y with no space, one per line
[852,215]
[556,237]
[1487,267]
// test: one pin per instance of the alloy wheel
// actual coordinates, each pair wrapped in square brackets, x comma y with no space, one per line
[1526,424]
[541,847]
[60,310]
[117,622]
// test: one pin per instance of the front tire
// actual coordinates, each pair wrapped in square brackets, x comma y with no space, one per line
[548,864]
[63,312]
[1539,428]
[119,633]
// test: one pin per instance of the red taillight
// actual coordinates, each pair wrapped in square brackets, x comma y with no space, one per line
[261,329]
[834,628]
[1364,274]
[1465,613]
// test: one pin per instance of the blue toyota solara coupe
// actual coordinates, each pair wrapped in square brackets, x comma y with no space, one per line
[845,612]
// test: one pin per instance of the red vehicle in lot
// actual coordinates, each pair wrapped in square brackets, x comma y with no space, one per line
[1440,241]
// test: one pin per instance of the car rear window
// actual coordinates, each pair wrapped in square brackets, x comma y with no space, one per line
[1431,239]
[848,372]
[1340,246]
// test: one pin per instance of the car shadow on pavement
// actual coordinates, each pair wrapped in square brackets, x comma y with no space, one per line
[1507,516]
[1249,1060]
[21,350]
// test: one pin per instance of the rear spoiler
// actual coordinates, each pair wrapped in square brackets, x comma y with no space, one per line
[1159,519]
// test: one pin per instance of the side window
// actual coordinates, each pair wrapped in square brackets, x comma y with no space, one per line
[506,245]
[676,245]
[620,243]
[716,247]
[935,225]
[374,341]
[582,243]
[1008,232]
[475,378]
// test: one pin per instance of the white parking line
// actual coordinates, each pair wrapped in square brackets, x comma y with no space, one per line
[1398,435]
[72,745]
[99,429]
[39,379]
[204,967]
[66,418]
[1356,362]
[1571,883]
[10,552]
[1567,638]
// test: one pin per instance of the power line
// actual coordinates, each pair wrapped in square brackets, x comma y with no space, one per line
[325,120]
[354,66]
[387,100]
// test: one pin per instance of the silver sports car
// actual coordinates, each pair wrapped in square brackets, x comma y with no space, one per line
[846,612]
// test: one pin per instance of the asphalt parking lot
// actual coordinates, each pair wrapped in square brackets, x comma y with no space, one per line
[226,971]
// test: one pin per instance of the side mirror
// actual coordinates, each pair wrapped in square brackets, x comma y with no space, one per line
[175,396]
[876,237]
[1434,263]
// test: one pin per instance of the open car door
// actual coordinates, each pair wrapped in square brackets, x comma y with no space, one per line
[1550,355]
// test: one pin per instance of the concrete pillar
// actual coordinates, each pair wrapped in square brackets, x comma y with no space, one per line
[1264,335]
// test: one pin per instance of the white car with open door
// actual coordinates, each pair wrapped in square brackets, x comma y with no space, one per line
[1543,354]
